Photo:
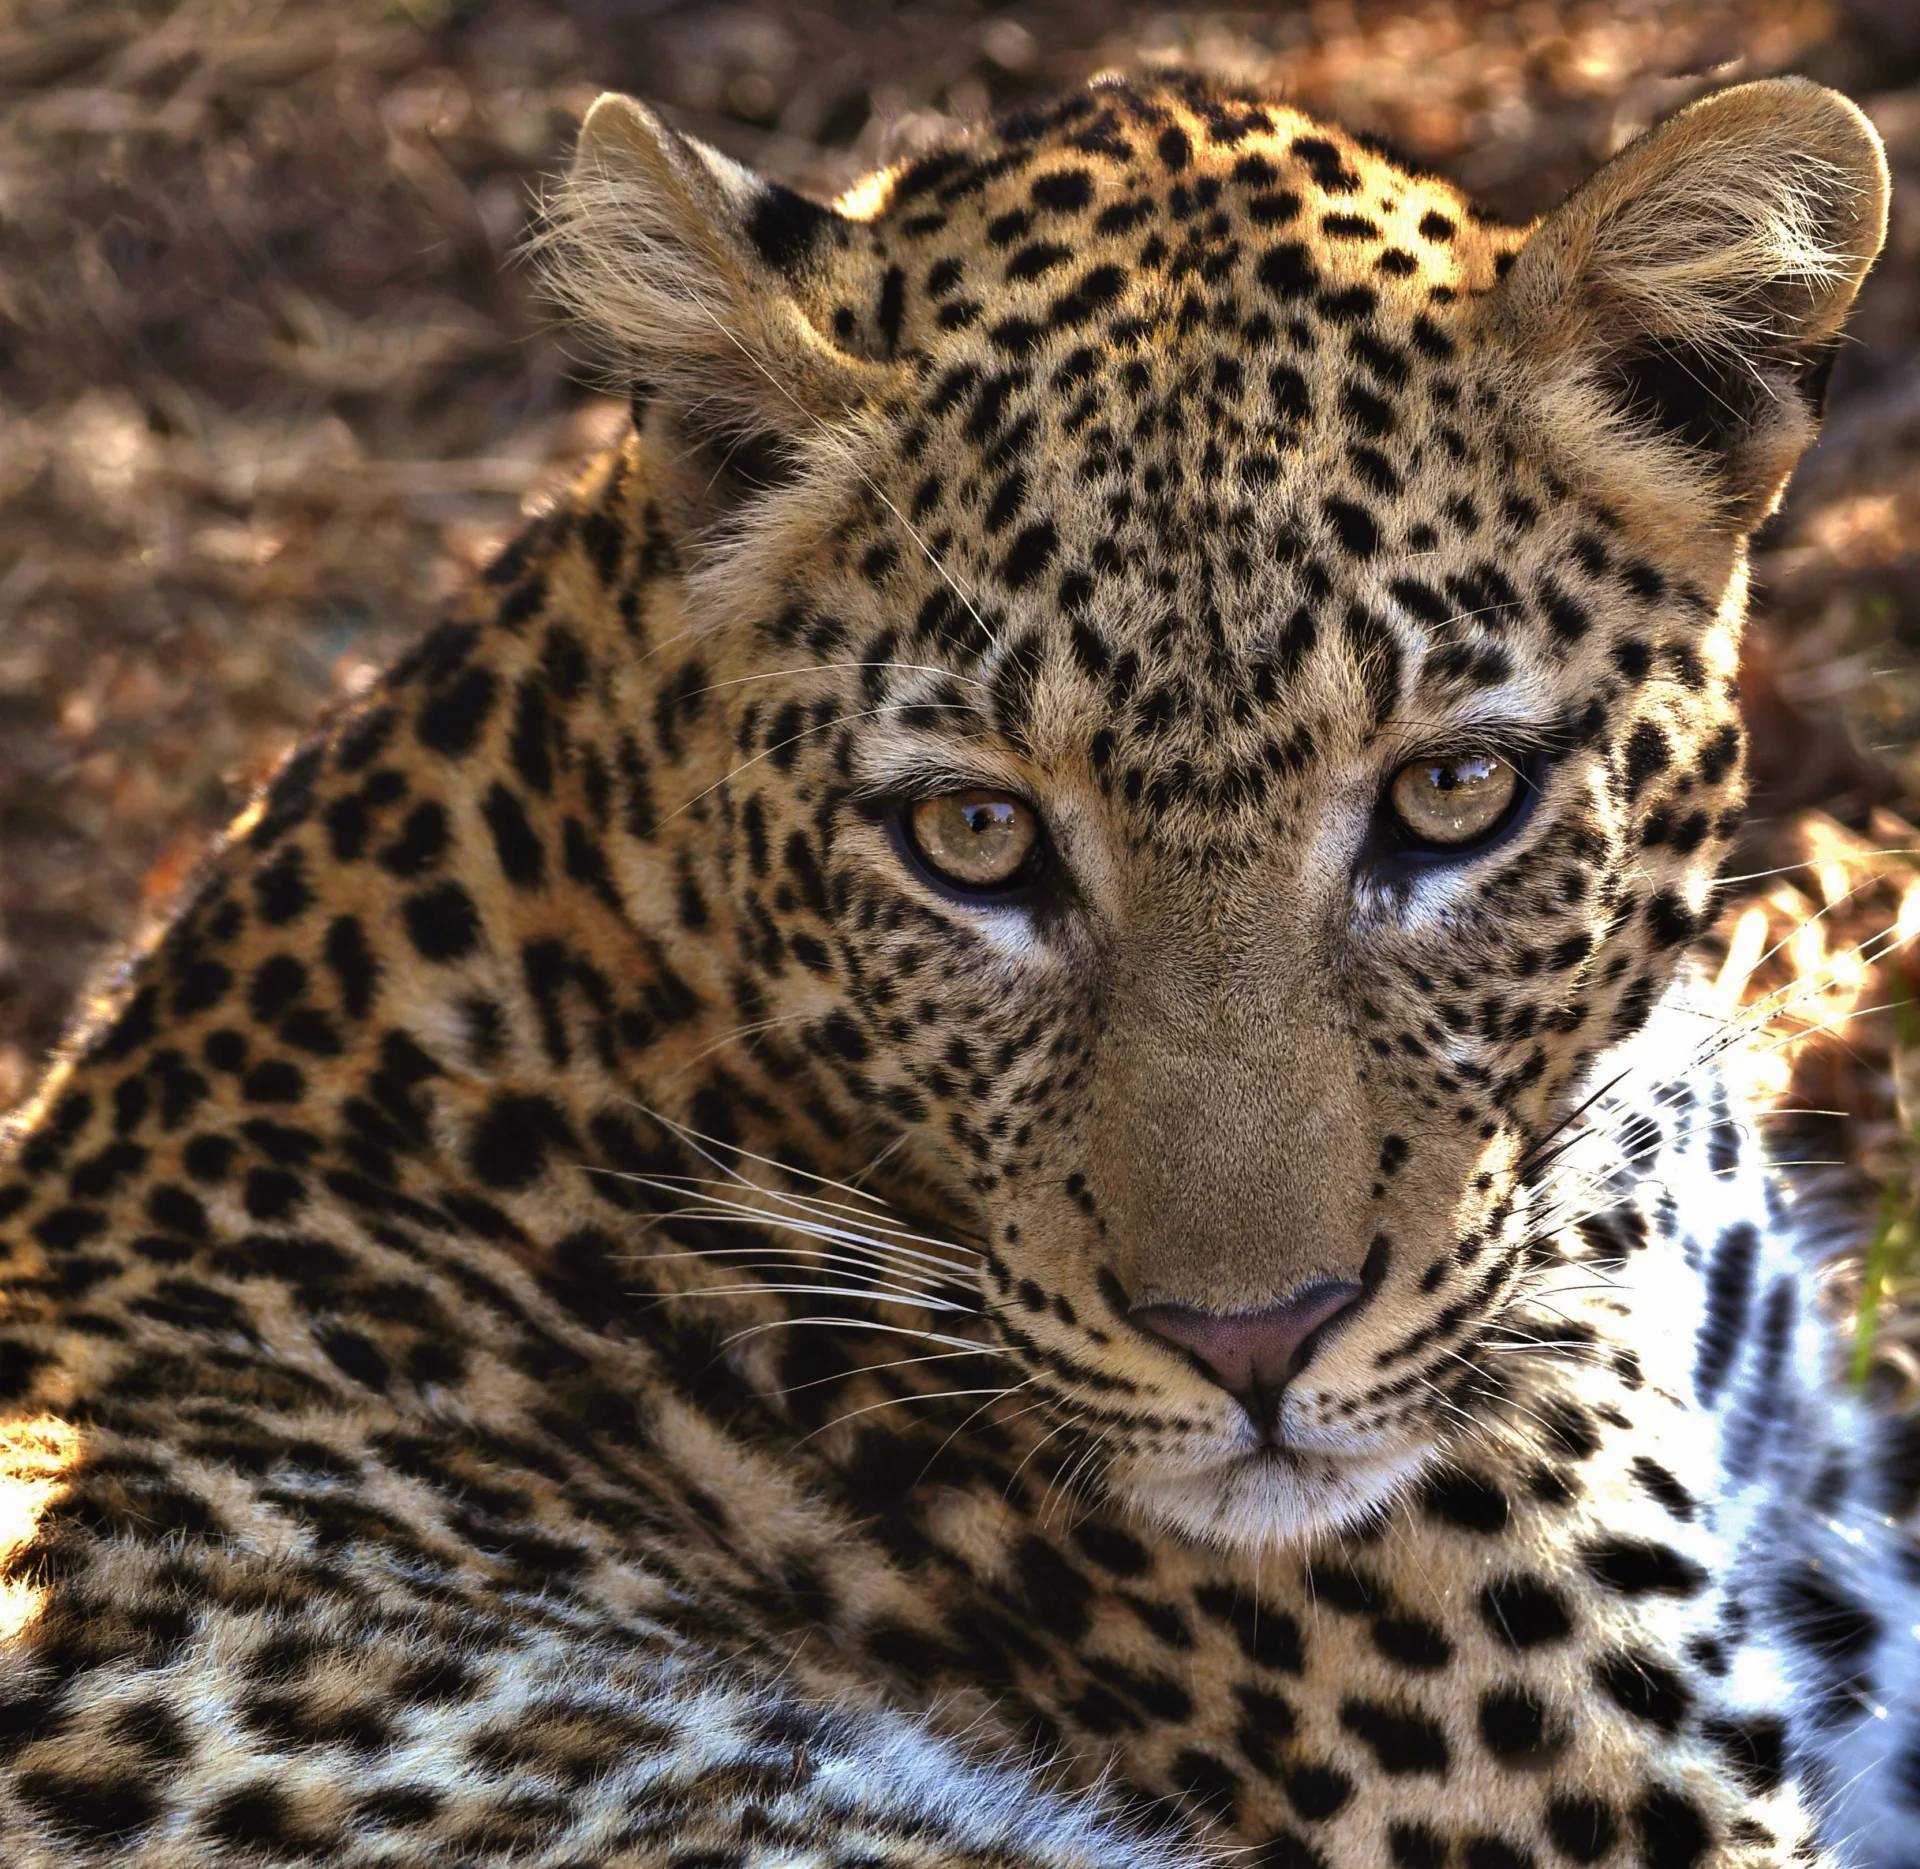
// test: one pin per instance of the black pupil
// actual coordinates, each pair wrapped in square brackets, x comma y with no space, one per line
[987,815]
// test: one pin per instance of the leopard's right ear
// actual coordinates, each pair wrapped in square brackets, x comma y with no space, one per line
[705,280]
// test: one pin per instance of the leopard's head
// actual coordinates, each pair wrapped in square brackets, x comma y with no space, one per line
[1229,659]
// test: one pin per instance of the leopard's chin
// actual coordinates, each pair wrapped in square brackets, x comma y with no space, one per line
[1263,1497]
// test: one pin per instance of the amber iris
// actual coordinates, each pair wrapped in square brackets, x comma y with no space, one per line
[1456,801]
[976,841]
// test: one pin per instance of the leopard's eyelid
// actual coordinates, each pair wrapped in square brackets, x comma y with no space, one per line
[1504,736]
[913,782]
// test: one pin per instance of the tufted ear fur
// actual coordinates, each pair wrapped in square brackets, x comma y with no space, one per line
[1680,312]
[704,280]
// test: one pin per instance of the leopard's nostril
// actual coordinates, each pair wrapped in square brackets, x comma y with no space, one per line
[1251,1354]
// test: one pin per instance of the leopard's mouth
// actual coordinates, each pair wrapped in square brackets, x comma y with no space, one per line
[1266,1495]
[1261,1489]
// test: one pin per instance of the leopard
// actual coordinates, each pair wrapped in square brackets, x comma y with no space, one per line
[972,1129]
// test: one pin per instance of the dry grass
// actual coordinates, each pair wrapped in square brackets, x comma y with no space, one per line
[270,383]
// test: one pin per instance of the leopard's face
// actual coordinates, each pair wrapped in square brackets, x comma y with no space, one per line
[1220,752]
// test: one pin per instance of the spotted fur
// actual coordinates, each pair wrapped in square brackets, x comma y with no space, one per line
[576,1308]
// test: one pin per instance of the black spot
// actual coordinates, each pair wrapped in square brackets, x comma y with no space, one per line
[1485,1852]
[1639,1567]
[207,1159]
[65,1228]
[1468,1500]
[451,720]
[509,1144]
[353,1355]
[1412,1641]
[892,306]
[1720,755]
[273,1080]
[1663,1487]
[93,1810]
[288,799]
[1029,554]
[202,985]
[1648,753]
[1324,163]
[1516,1728]
[281,888]
[1016,336]
[1564,1425]
[1268,1636]
[1276,210]
[1415,1846]
[1645,1688]
[1040,256]
[1404,1741]
[843,1037]
[442,923]
[1289,390]
[785,227]
[1344,1587]
[1062,192]
[1350,305]
[1175,150]
[1098,287]
[1673,1833]
[1821,1619]
[1524,1611]
[1316,1792]
[348,955]
[522,856]
[1729,1298]
[1755,1747]
[1112,1549]
[1371,413]
[1287,1849]
[530,744]
[1670,920]
[272,1193]
[1058,1594]
[277,983]
[1582,1829]
[1355,526]
[225,1050]
[421,843]
[1287,271]
[1567,618]
[177,1210]
[1375,469]
[364,739]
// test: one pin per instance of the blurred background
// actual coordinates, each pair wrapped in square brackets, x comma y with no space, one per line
[271,382]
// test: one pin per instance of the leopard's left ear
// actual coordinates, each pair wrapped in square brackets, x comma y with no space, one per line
[1680,313]
[709,283]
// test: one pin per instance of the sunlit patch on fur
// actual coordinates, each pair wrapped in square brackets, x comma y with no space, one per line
[35,1458]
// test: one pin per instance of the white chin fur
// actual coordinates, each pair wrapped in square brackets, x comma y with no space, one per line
[1262,1500]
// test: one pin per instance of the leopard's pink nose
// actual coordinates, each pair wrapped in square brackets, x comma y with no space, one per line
[1252,1354]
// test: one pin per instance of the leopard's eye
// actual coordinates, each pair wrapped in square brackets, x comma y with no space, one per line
[1447,804]
[979,842]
